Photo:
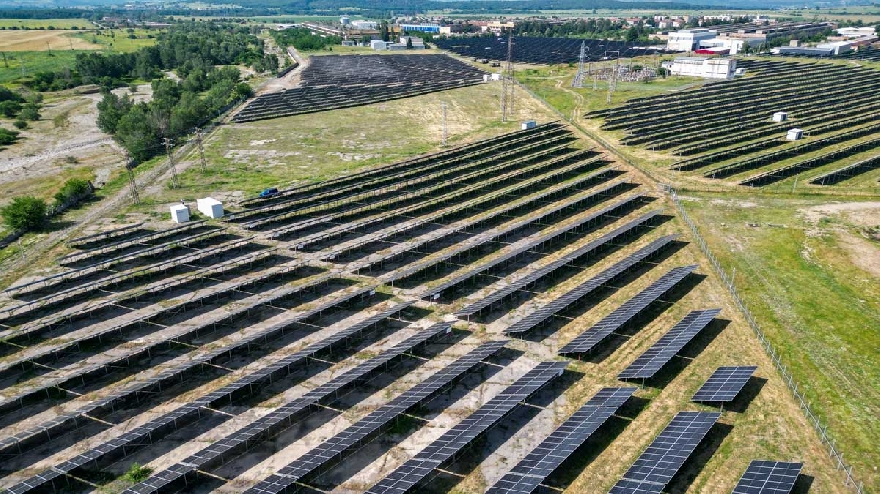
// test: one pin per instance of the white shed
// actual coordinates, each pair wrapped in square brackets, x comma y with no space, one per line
[210,207]
[179,213]
[780,116]
[794,134]
[529,124]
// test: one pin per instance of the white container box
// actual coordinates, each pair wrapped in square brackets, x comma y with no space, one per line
[210,207]
[794,134]
[179,213]
[780,116]
[529,124]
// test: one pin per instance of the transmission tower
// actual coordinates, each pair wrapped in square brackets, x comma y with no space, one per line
[581,73]
[201,149]
[168,143]
[132,184]
[507,82]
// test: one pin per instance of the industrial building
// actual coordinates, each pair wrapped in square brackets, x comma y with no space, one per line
[707,68]
[688,39]
[425,28]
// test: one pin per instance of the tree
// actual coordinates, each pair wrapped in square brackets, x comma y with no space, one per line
[30,111]
[136,134]
[10,108]
[25,213]
[7,136]
[409,43]
[73,189]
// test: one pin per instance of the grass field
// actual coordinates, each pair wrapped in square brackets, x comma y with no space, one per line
[810,275]
[249,157]
[35,61]
[44,40]
[46,23]
[119,40]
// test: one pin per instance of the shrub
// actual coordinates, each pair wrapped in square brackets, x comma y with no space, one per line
[20,124]
[137,473]
[7,136]
[30,112]
[72,189]
[25,213]
[10,108]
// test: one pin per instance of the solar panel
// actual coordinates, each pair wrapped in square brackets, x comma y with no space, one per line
[588,249]
[768,477]
[667,453]
[650,362]
[282,417]
[543,313]
[544,459]
[589,339]
[724,384]
[454,440]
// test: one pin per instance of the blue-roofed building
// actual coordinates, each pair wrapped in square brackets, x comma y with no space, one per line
[425,28]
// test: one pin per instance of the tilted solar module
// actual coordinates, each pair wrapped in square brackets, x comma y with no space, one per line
[279,419]
[587,250]
[543,313]
[413,471]
[650,362]
[589,339]
[544,459]
[768,477]
[667,453]
[724,384]
[334,448]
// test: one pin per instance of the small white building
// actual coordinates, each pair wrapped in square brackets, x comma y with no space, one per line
[780,116]
[688,39]
[856,32]
[210,207]
[529,124]
[794,134]
[179,213]
[707,68]
[378,44]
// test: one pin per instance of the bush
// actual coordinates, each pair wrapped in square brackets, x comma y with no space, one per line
[7,136]
[72,189]
[10,108]
[20,124]
[25,213]
[31,111]
[137,473]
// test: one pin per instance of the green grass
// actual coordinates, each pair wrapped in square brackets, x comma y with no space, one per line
[117,40]
[46,23]
[35,61]
[274,153]
[820,309]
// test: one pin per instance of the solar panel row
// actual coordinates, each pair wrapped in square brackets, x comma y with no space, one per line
[650,362]
[336,447]
[414,471]
[724,384]
[565,260]
[667,453]
[283,417]
[544,459]
[768,477]
[541,314]
[589,339]
[131,440]
[535,242]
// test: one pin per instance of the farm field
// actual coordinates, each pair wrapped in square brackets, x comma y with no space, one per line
[46,23]
[43,40]
[376,269]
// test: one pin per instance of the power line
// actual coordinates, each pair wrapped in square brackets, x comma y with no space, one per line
[202,149]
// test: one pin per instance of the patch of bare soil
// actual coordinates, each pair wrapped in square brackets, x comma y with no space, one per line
[863,253]
[68,129]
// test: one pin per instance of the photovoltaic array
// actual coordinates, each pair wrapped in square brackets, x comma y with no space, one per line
[650,362]
[768,477]
[528,474]
[529,49]
[333,82]
[656,466]
[414,470]
[588,340]
[725,384]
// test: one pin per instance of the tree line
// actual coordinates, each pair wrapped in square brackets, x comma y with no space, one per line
[302,38]
[203,56]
